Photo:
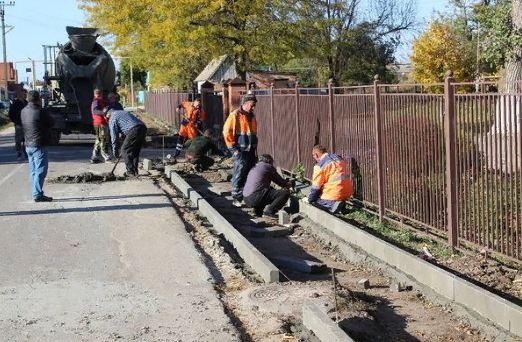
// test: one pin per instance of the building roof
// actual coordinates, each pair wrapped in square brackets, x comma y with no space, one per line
[211,69]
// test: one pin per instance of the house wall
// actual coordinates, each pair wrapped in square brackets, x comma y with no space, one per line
[226,71]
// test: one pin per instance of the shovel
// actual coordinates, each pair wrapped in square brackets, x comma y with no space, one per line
[115,164]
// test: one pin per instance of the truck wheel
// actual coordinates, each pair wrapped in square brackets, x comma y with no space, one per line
[55,138]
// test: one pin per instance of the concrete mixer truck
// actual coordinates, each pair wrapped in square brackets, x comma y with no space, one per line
[81,66]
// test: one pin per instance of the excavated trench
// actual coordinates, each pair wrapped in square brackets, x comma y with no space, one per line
[87,177]
[270,312]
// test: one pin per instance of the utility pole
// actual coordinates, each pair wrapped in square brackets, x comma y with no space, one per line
[34,72]
[2,14]
[132,85]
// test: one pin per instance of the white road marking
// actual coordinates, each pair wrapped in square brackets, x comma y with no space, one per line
[11,174]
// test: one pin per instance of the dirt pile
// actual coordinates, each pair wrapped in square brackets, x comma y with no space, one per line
[86,177]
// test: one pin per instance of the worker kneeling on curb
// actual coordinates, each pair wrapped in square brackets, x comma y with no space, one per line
[197,148]
[332,185]
[134,130]
[240,134]
[258,193]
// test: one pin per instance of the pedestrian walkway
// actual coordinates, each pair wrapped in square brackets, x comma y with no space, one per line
[102,262]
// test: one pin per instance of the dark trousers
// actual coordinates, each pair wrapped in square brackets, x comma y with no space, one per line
[202,163]
[131,148]
[274,199]
[243,163]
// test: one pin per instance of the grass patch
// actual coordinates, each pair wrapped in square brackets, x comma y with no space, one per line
[399,236]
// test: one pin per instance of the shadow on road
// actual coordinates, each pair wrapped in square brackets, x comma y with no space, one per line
[87,210]
[103,198]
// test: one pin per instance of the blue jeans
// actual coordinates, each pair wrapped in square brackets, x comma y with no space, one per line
[38,165]
[242,166]
[328,204]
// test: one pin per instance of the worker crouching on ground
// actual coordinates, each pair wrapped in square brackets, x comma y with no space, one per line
[190,123]
[197,148]
[258,193]
[134,130]
[240,133]
[332,185]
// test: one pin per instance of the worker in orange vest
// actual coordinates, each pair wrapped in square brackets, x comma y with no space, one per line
[192,120]
[332,184]
[240,133]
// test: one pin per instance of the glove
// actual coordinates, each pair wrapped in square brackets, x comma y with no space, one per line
[305,200]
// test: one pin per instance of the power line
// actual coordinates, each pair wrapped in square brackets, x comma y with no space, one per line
[46,25]
[51,16]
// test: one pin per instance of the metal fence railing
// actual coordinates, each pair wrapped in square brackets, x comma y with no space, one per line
[447,162]
[163,104]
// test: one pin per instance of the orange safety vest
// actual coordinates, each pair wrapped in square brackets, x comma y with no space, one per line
[190,120]
[240,131]
[331,178]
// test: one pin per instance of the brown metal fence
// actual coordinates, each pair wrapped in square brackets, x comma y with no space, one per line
[163,104]
[445,163]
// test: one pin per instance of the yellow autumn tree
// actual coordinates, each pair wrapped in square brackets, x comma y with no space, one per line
[439,49]
[175,39]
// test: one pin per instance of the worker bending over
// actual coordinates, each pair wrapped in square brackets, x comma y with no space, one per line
[134,130]
[192,120]
[240,133]
[259,194]
[197,148]
[332,185]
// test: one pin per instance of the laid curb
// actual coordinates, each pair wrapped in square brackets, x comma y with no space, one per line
[322,326]
[488,305]
[245,249]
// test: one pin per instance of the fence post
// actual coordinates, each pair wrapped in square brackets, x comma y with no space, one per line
[380,146]
[272,118]
[451,158]
[331,106]
[297,126]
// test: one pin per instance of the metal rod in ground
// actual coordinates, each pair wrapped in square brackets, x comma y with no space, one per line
[335,297]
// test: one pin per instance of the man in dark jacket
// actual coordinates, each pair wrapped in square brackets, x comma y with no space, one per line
[37,130]
[258,193]
[197,148]
[15,110]
[134,130]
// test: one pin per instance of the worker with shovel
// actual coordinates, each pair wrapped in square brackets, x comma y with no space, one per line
[134,130]
[192,120]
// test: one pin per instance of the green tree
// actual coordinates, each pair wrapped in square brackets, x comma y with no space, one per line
[334,31]
[177,38]
[309,72]
[500,26]
[440,48]
[139,76]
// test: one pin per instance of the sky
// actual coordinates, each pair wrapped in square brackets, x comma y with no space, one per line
[41,22]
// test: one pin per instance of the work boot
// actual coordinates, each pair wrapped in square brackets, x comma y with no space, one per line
[43,199]
[337,207]
[258,212]
[95,161]
[269,215]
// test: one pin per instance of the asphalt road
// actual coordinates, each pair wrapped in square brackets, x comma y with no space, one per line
[103,262]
